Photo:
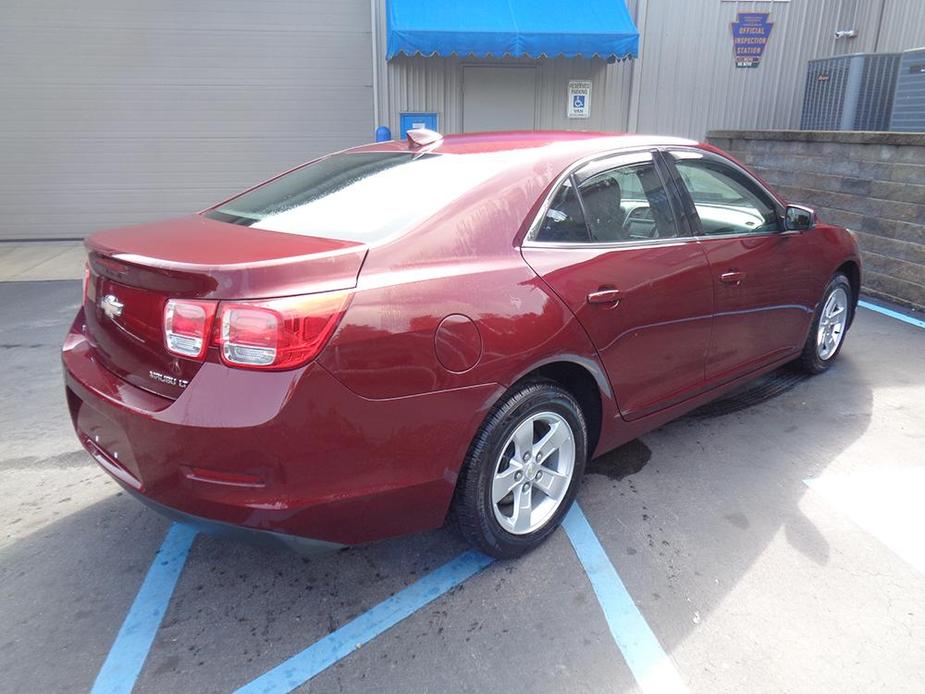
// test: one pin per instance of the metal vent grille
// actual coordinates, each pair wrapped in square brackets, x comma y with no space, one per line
[909,98]
[849,92]
[875,98]
[825,94]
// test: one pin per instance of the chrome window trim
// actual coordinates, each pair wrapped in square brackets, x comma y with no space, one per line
[743,235]
[612,245]
[619,245]
[530,242]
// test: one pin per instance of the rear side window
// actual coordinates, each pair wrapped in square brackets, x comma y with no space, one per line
[612,204]
[564,221]
[628,203]
[364,196]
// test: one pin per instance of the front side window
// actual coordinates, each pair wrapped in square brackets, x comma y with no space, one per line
[612,205]
[727,201]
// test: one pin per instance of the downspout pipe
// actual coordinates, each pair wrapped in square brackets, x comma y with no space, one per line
[879,25]
[374,41]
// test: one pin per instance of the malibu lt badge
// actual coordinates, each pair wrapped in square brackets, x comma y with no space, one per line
[169,380]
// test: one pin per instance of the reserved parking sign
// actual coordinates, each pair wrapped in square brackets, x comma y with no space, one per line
[579,99]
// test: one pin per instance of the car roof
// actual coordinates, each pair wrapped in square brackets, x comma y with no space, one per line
[564,142]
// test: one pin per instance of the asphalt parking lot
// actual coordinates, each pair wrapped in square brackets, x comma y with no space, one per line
[772,542]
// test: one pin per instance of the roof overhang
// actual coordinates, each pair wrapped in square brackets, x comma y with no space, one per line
[532,28]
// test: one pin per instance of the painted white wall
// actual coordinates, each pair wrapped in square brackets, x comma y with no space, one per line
[121,111]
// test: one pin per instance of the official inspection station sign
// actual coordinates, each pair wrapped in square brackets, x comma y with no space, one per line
[750,34]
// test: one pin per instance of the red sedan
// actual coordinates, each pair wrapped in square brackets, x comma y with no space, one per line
[360,346]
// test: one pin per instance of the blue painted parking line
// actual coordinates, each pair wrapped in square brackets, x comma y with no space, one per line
[128,652]
[650,665]
[324,653]
[892,314]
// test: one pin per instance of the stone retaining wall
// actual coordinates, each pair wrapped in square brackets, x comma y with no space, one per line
[872,183]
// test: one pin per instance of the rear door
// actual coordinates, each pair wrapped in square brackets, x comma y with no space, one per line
[761,274]
[610,245]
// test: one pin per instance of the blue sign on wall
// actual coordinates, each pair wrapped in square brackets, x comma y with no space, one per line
[410,121]
[750,34]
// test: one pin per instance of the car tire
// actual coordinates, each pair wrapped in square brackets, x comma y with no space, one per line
[544,480]
[830,323]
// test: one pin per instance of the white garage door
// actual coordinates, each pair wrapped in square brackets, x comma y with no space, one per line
[121,111]
[499,98]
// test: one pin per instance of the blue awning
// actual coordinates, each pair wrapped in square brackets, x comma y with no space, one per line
[512,27]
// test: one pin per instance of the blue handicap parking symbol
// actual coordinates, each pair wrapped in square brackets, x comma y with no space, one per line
[578,101]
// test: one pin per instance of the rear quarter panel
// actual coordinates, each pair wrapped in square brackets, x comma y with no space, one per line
[462,261]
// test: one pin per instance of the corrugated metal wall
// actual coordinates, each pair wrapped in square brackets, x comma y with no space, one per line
[435,84]
[688,79]
[685,80]
[120,111]
[902,26]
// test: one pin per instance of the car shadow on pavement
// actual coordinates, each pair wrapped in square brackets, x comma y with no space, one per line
[68,586]
[721,492]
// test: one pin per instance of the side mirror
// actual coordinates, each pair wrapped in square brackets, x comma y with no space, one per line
[798,218]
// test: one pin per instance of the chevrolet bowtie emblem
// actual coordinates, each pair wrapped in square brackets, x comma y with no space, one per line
[111,306]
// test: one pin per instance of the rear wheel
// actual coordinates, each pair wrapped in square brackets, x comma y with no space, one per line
[827,334]
[522,471]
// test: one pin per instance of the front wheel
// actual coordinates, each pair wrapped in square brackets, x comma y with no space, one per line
[827,334]
[522,471]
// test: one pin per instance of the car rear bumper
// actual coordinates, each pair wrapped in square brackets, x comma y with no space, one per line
[301,545]
[291,452]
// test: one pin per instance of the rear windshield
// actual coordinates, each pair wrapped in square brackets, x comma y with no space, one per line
[359,196]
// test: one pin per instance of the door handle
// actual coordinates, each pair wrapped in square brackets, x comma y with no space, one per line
[732,277]
[604,296]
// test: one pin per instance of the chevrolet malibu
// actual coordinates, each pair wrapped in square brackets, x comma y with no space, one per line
[399,332]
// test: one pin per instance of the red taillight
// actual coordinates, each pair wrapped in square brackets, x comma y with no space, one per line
[278,333]
[187,326]
[86,284]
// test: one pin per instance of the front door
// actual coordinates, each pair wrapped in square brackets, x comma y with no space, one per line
[761,277]
[611,248]
[499,98]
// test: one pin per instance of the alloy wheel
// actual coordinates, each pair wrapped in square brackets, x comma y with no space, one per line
[832,323]
[533,473]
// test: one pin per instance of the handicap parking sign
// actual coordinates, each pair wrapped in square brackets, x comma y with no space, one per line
[579,99]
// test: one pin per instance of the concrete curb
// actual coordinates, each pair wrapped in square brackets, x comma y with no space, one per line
[42,260]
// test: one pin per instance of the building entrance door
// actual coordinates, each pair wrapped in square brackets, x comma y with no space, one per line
[499,98]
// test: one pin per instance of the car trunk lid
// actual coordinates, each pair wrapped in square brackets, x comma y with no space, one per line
[134,271]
